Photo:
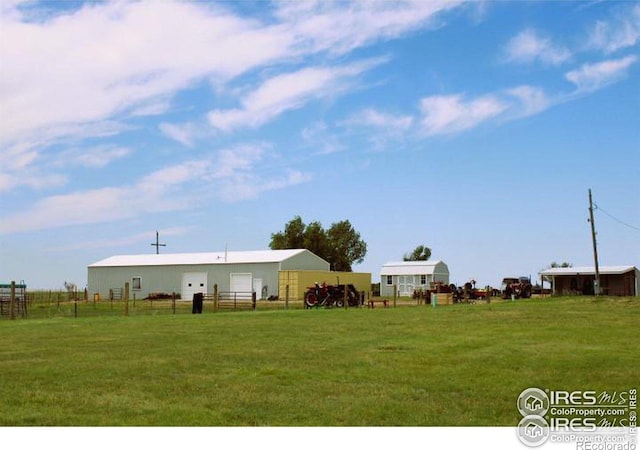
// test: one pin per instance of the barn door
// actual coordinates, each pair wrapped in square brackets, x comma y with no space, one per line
[193,283]
[241,282]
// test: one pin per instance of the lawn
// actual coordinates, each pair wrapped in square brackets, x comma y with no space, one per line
[459,365]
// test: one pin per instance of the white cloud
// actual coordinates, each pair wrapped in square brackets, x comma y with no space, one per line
[101,60]
[340,27]
[528,47]
[591,77]
[374,118]
[286,92]
[318,136]
[247,186]
[230,162]
[451,113]
[182,133]
[231,175]
[530,100]
[33,179]
[92,157]
[622,31]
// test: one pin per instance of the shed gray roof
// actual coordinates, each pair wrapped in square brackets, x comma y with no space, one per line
[587,270]
[169,259]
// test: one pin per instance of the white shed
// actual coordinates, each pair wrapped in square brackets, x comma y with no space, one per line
[411,275]
[189,273]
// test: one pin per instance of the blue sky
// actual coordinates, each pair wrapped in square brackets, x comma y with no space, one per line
[473,128]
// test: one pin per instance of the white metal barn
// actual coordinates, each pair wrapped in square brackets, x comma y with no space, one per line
[189,273]
[411,275]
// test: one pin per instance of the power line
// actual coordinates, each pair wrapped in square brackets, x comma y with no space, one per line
[615,218]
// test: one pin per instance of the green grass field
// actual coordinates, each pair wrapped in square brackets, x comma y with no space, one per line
[460,365]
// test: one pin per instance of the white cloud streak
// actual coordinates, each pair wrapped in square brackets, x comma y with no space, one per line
[102,60]
[230,176]
[529,47]
[452,113]
[287,92]
[340,27]
[91,157]
[373,118]
[620,32]
[591,77]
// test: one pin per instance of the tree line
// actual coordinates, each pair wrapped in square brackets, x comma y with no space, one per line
[340,245]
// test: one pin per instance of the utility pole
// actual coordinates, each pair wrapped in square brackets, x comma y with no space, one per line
[596,286]
[157,245]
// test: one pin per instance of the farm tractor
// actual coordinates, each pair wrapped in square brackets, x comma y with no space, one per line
[516,287]
[469,292]
[328,295]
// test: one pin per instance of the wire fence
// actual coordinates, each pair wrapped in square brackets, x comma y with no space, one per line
[52,304]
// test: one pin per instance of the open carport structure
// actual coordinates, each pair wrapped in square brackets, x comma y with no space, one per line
[614,280]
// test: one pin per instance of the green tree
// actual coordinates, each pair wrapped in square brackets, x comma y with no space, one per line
[315,239]
[291,237]
[340,245]
[420,253]
[556,265]
[346,246]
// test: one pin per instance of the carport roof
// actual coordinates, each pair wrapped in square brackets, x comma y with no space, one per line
[169,259]
[587,270]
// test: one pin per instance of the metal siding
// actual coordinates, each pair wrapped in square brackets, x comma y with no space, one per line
[304,261]
[168,279]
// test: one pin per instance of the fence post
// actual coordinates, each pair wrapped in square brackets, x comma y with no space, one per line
[126,298]
[173,302]
[286,297]
[253,300]
[12,301]
[75,308]
[346,300]
[395,294]
[215,297]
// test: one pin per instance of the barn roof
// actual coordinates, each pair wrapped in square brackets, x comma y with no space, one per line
[169,259]
[587,270]
[412,268]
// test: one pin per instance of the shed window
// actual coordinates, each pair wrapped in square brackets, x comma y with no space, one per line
[136,283]
[389,280]
[423,279]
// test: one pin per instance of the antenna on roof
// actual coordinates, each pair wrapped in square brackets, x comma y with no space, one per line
[225,252]
[157,245]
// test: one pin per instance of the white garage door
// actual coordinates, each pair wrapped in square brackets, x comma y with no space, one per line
[241,282]
[192,283]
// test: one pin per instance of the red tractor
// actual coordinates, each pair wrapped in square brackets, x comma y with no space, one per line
[327,295]
[516,287]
